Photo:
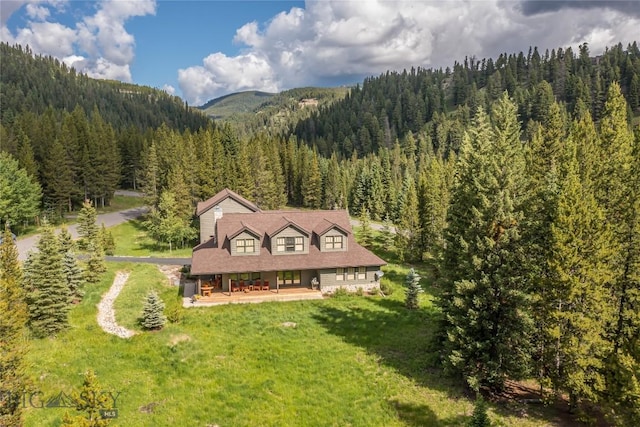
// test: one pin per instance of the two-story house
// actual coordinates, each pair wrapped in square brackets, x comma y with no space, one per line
[241,243]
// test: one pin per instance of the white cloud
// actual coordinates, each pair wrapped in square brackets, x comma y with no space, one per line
[37,12]
[332,38]
[169,89]
[98,45]
[48,38]
[222,74]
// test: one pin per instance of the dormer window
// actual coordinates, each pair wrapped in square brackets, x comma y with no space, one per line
[333,242]
[245,246]
[290,244]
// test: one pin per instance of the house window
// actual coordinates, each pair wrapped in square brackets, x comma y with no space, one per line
[290,244]
[289,278]
[333,242]
[339,274]
[245,246]
[351,273]
[362,273]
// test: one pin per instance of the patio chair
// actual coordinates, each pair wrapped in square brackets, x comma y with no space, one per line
[257,285]
[265,285]
[242,285]
[234,286]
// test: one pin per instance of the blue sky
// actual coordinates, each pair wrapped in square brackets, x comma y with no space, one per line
[200,50]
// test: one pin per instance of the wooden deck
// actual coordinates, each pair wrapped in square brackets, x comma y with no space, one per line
[287,294]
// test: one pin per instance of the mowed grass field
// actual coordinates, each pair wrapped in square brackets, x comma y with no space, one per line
[349,361]
[132,240]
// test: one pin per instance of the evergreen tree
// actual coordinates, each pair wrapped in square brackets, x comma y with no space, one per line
[152,312]
[408,230]
[366,237]
[106,240]
[65,240]
[57,177]
[149,176]
[387,234]
[47,291]
[13,344]
[618,186]
[95,264]
[87,228]
[412,283]
[90,401]
[479,417]
[486,311]
[312,182]
[433,197]
[580,266]
[74,275]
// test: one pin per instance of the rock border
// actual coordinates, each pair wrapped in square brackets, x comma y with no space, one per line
[106,314]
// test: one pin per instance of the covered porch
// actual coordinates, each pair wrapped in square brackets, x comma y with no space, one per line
[219,297]
[255,283]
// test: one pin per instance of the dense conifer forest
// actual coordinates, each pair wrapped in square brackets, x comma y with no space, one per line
[516,180]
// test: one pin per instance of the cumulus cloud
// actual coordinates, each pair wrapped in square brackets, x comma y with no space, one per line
[533,7]
[223,74]
[98,44]
[331,38]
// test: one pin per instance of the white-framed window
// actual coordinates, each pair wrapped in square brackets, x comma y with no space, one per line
[289,277]
[290,244]
[245,246]
[339,274]
[333,242]
[362,273]
[351,273]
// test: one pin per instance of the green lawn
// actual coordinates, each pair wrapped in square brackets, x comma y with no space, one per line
[350,361]
[132,240]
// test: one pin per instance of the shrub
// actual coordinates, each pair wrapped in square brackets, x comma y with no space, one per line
[386,288]
[340,293]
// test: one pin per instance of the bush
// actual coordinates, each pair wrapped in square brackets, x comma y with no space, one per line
[340,293]
[174,314]
[360,291]
[386,288]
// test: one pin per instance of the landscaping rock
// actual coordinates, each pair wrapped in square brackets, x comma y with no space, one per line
[106,314]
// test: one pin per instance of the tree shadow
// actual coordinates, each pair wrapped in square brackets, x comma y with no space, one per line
[401,338]
[405,341]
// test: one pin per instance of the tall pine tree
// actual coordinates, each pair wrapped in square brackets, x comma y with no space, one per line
[48,293]
[485,305]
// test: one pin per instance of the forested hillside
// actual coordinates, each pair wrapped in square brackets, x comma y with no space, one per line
[79,137]
[252,112]
[440,102]
[31,83]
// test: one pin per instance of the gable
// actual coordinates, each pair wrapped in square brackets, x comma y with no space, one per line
[229,202]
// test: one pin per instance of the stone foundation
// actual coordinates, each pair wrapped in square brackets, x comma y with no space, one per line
[366,287]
